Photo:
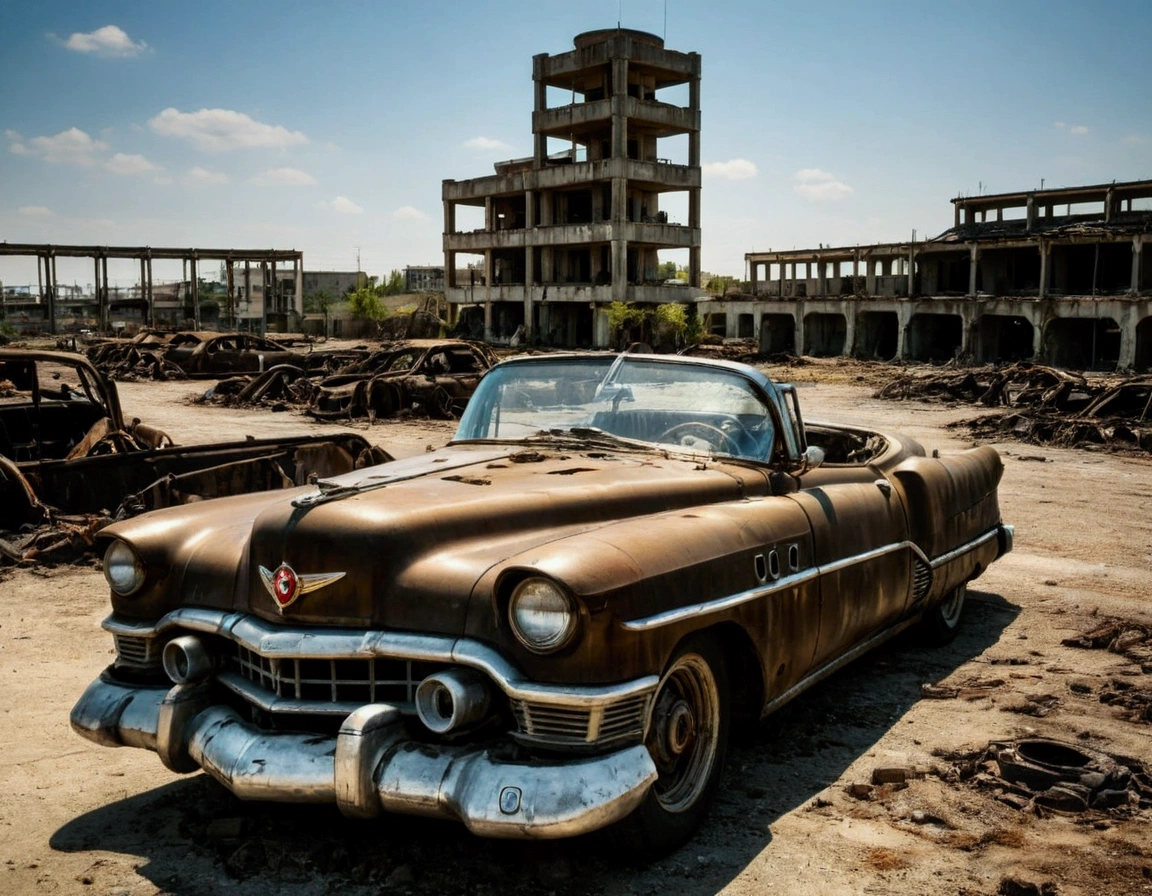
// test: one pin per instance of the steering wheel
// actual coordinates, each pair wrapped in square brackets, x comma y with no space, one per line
[716,438]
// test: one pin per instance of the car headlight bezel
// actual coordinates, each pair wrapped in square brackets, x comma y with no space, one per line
[123,569]
[542,615]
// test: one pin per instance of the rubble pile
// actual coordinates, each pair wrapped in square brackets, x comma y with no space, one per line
[128,361]
[1042,776]
[1042,405]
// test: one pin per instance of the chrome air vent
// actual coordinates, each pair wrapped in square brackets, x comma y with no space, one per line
[567,726]
[137,653]
[921,579]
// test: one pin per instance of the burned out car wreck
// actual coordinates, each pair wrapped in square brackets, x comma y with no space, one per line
[550,625]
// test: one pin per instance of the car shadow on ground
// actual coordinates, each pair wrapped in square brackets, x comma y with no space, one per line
[195,838]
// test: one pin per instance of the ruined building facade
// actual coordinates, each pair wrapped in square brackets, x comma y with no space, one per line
[1059,276]
[565,233]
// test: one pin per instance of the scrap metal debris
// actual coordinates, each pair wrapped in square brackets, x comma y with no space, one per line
[1122,636]
[1041,776]
[425,377]
[1042,405]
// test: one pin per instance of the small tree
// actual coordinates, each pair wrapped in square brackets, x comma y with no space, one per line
[365,302]
[666,271]
[394,285]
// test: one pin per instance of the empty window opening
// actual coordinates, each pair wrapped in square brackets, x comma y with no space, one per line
[1000,338]
[1081,343]
[777,334]
[877,335]
[825,335]
[934,337]
[1143,359]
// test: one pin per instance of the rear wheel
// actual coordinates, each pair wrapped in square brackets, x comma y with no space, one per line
[941,623]
[687,739]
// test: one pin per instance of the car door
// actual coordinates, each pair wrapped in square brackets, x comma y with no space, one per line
[861,552]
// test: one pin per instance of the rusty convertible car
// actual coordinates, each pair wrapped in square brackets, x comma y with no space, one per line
[550,625]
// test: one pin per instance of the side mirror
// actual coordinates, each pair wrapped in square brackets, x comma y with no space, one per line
[810,459]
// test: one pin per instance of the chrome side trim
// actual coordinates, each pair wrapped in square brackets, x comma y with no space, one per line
[275,641]
[965,548]
[669,617]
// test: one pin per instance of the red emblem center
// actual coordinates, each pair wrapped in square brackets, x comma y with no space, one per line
[284,585]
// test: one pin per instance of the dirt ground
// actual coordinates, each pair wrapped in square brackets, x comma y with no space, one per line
[77,818]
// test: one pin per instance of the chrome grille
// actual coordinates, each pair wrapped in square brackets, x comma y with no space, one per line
[140,654]
[542,723]
[351,681]
[921,579]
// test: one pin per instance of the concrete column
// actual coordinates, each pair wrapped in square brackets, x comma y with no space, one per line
[821,277]
[50,278]
[529,277]
[263,300]
[540,92]
[488,214]
[870,274]
[694,266]
[783,277]
[1030,218]
[247,285]
[545,209]
[855,271]
[956,214]
[1137,252]
[195,293]
[298,272]
[149,297]
[101,309]
[1045,251]
[105,311]
[973,267]
[911,271]
[753,267]
[449,216]
[144,310]
[619,100]
[530,209]
[488,294]
[619,270]
[1109,203]
[694,136]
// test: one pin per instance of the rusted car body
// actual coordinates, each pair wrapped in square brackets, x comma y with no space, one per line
[65,447]
[549,625]
[438,375]
[194,352]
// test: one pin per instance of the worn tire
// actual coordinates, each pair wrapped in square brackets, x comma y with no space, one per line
[942,621]
[688,740]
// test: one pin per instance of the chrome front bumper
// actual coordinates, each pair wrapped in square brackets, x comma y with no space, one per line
[369,766]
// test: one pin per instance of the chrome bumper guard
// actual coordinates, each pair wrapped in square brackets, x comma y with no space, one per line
[369,766]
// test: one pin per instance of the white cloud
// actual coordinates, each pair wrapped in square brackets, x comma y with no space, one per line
[70,147]
[733,169]
[125,164]
[1135,140]
[109,42]
[204,177]
[34,211]
[342,205]
[283,177]
[814,183]
[162,180]
[218,130]
[408,212]
[487,144]
[1078,130]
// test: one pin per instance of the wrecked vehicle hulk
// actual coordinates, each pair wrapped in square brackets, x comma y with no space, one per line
[551,624]
[71,463]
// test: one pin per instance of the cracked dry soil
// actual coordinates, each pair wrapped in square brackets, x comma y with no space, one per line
[799,812]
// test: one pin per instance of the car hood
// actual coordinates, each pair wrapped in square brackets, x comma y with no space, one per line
[402,546]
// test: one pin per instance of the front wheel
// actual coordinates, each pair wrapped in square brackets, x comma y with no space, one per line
[941,622]
[687,739]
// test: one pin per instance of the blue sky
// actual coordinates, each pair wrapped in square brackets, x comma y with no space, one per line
[329,128]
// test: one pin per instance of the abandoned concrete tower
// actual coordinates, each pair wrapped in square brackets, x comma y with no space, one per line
[568,231]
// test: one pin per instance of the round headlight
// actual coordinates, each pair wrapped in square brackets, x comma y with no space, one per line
[123,568]
[541,615]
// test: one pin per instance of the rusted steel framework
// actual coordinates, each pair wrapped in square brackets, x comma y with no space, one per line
[46,255]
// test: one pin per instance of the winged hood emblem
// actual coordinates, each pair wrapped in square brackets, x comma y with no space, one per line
[286,586]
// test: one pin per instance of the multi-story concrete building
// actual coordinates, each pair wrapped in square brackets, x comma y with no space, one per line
[564,233]
[1055,275]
